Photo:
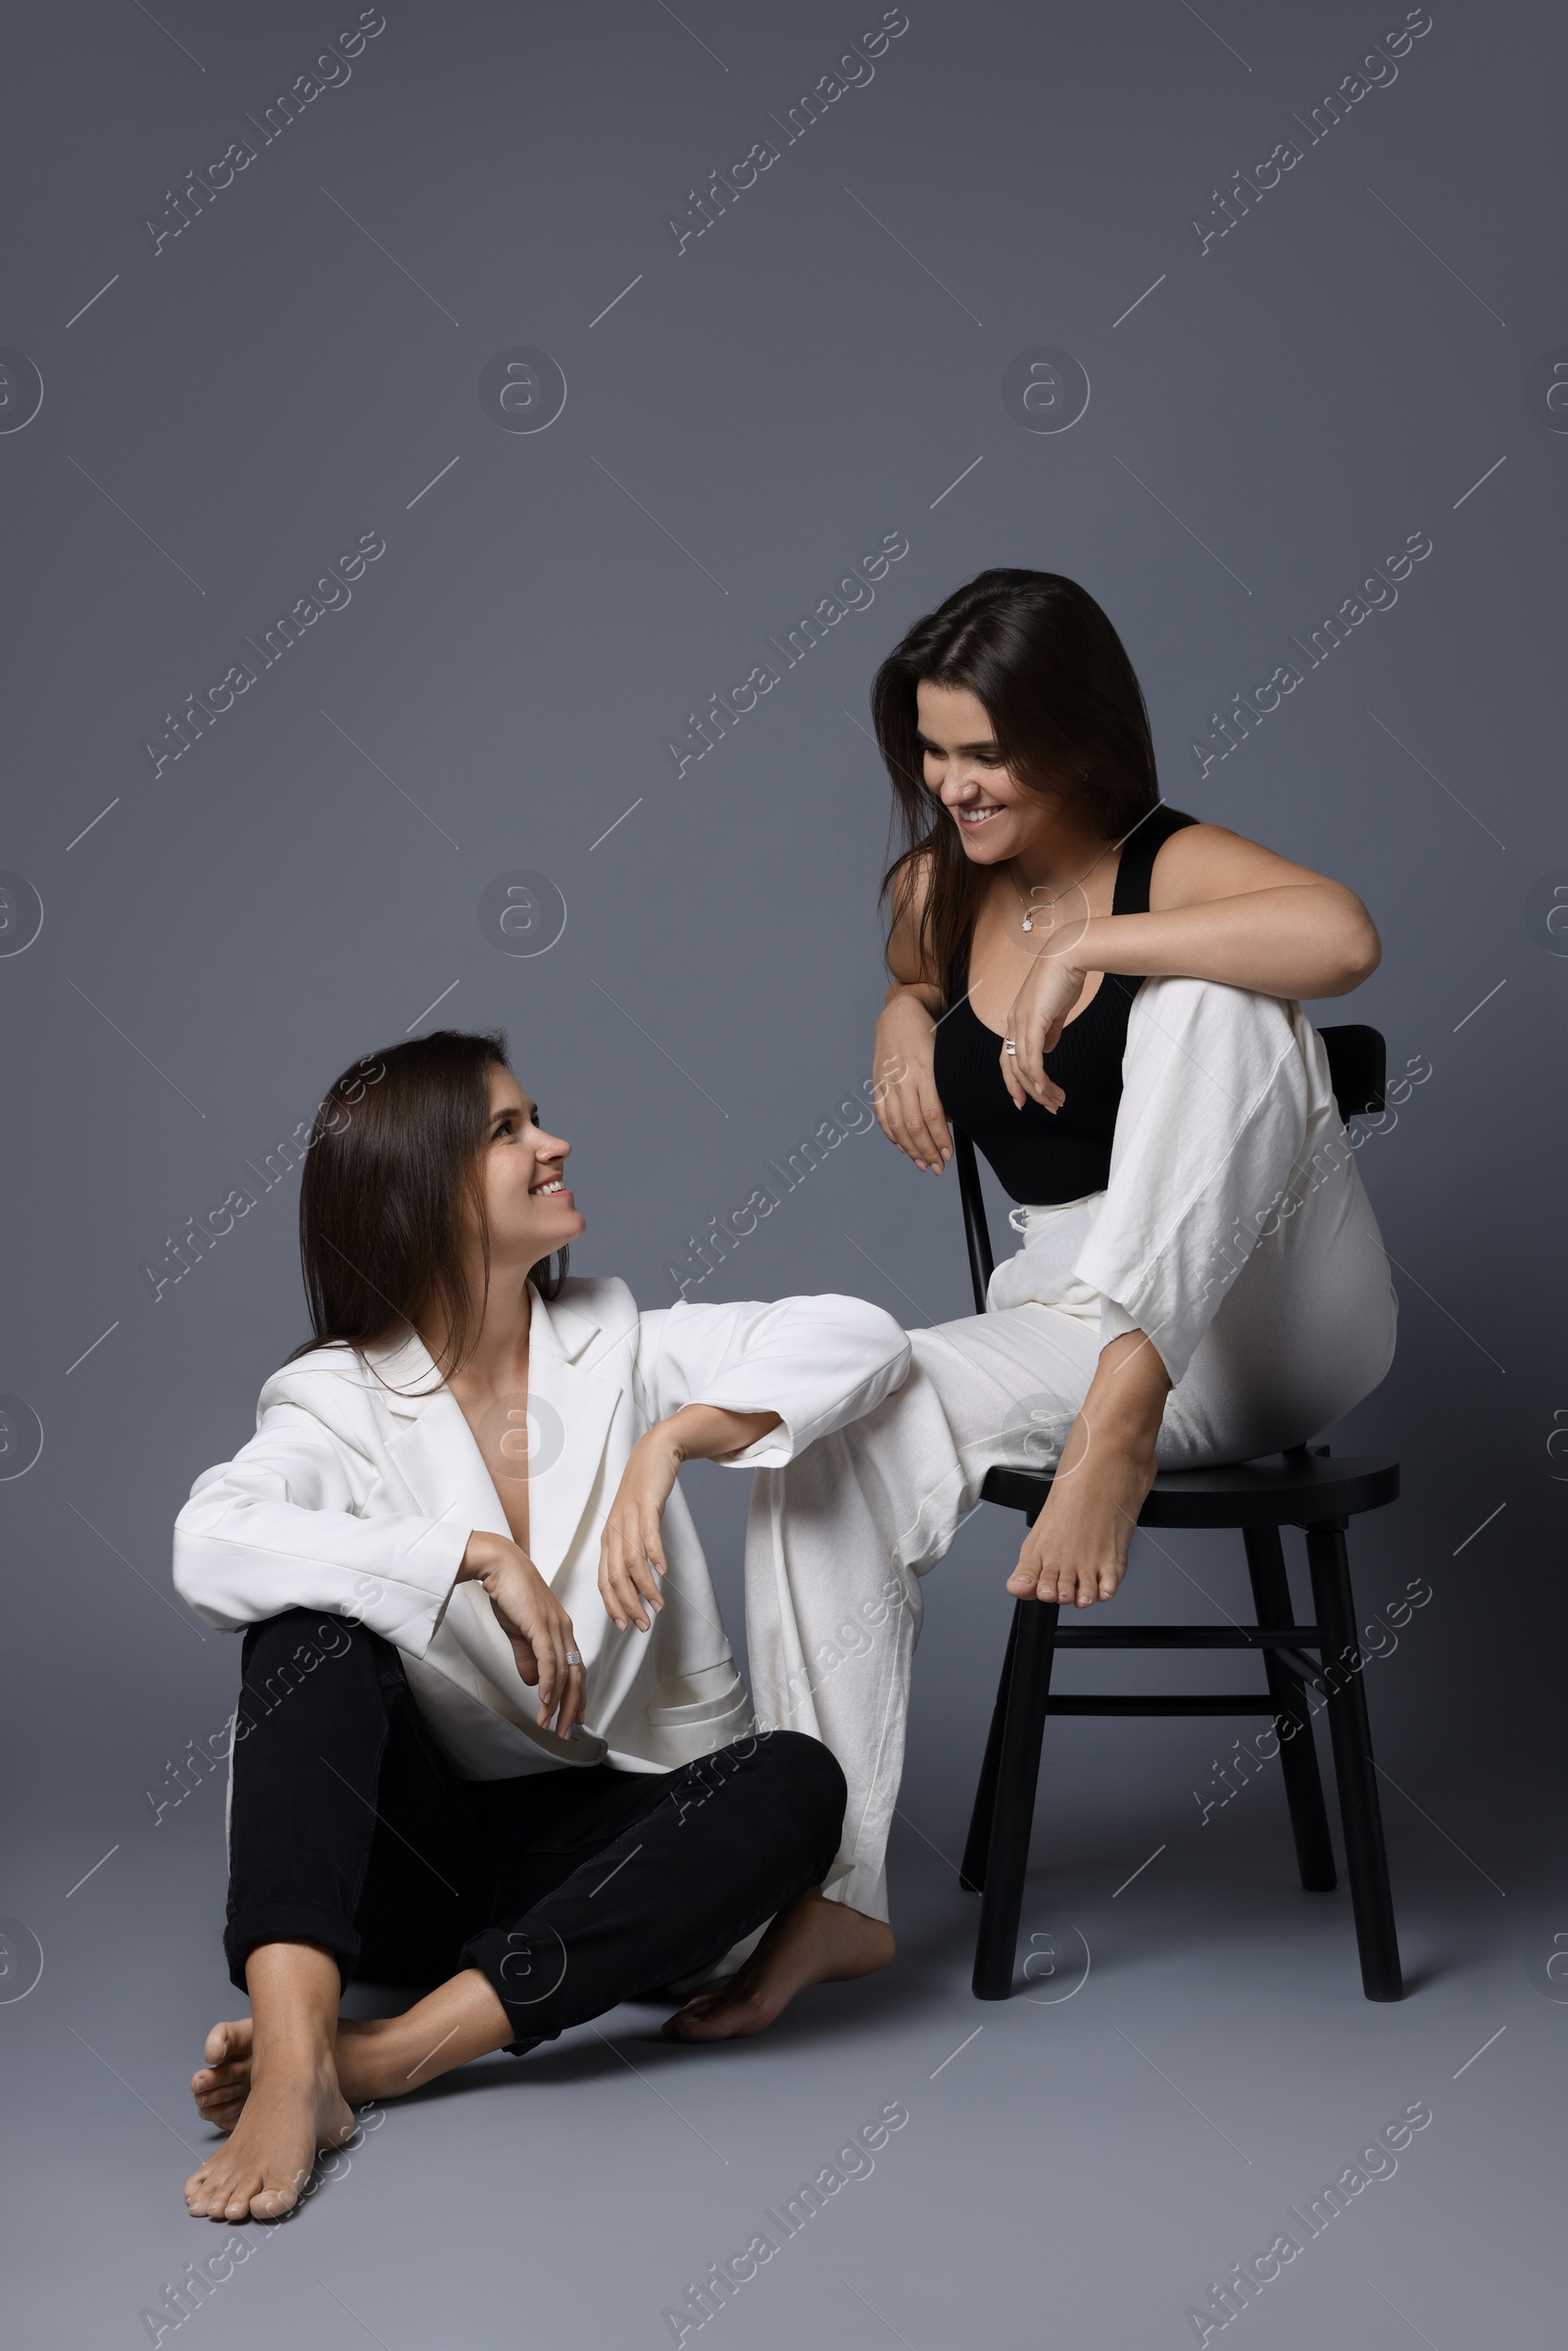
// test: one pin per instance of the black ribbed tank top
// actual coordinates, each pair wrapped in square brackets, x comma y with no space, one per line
[1039,1156]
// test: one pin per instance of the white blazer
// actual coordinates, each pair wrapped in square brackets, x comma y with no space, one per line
[356,1500]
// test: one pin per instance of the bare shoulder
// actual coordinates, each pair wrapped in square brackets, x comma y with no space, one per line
[910,896]
[912,885]
[1205,861]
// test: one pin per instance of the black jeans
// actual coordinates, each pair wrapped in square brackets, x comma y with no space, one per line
[571,1889]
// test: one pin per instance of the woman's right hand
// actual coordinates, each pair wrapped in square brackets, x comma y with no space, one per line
[908,1108]
[533,1620]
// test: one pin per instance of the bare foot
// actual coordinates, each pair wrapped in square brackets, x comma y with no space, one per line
[290,2106]
[1076,1551]
[370,2058]
[813,1942]
[364,2067]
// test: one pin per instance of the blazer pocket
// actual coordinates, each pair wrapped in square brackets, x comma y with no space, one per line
[696,1712]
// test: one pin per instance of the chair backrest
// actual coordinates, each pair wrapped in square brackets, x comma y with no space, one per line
[1358,1067]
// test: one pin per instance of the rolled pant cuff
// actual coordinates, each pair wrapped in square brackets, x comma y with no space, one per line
[1114,1321]
[289,1922]
[863,1886]
[525,1972]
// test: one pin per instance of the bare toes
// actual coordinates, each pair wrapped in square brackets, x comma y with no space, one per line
[229,2040]
[209,2078]
[692,2013]
[270,2203]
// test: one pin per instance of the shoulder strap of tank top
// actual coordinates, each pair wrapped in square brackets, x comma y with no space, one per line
[1143,845]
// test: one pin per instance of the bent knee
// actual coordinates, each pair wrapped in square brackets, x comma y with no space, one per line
[806,1775]
[1176,998]
[317,1632]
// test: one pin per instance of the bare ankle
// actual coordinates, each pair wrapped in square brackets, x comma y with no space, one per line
[299,2045]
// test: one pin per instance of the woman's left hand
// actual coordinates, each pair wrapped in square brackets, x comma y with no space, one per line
[631,1547]
[1035,1025]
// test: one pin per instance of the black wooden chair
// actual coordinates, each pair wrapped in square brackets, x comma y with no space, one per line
[1302,1487]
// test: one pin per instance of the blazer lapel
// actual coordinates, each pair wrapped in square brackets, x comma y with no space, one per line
[571,1411]
[431,1445]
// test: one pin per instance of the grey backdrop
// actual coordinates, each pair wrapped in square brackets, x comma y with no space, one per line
[243,382]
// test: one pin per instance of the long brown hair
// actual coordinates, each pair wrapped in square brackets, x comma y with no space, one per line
[392,1160]
[1062,696]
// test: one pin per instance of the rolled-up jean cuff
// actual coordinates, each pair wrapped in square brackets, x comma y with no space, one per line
[289,1922]
[491,1951]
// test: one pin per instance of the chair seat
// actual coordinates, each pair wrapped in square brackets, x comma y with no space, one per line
[1278,1490]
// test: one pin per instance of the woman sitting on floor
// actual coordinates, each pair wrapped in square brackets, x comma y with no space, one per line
[444,1485]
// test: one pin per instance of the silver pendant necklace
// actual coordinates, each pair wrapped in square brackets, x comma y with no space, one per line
[1029,910]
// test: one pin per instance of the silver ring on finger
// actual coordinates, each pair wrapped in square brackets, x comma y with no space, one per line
[1010,1048]
[573,1657]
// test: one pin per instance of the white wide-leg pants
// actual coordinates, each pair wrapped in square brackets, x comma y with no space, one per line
[1234,1231]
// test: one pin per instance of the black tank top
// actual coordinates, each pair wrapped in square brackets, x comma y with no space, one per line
[1039,1156]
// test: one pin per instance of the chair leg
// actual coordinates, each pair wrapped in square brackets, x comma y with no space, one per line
[1293,1725]
[1359,1810]
[977,1847]
[1013,1809]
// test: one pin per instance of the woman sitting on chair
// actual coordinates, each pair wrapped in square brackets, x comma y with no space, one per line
[449,1479]
[1102,993]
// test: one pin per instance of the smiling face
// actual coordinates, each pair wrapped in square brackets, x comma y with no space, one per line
[996,816]
[529,1210]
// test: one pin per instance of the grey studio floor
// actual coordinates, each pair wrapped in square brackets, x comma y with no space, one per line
[1186,2060]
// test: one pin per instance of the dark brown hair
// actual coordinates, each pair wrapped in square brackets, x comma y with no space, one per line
[1062,696]
[393,1155]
